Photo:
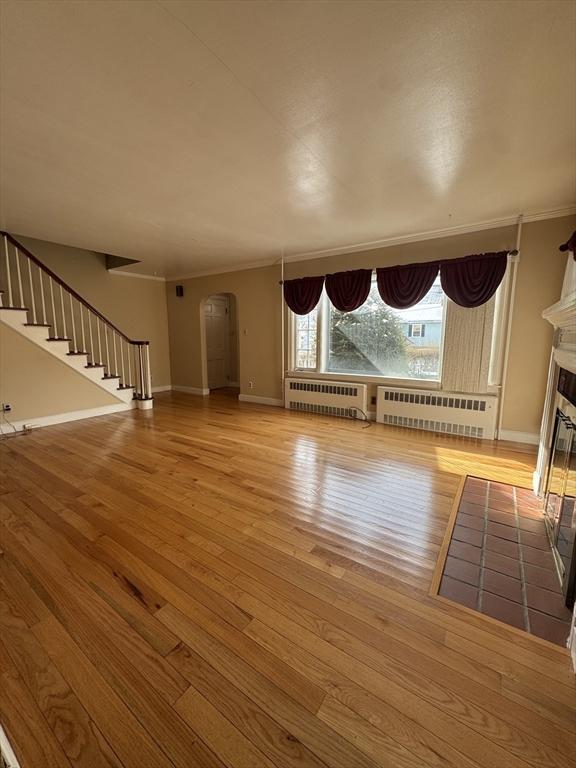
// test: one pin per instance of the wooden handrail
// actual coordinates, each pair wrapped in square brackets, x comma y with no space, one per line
[61,282]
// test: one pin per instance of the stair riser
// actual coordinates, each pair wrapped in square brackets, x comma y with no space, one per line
[17,320]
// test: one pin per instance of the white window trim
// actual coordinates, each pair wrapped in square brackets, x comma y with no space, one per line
[320,372]
[292,345]
[418,335]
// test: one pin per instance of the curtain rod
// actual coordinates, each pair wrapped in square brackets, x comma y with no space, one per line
[513,252]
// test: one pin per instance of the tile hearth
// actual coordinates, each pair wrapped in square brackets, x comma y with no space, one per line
[500,563]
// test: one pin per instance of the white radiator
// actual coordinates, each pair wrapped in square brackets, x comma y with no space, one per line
[334,398]
[447,412]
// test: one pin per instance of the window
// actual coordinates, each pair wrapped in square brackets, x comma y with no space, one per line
[375,340]
[306,340]
[416,330]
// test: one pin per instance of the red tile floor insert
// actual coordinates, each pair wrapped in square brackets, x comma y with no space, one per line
[500,562]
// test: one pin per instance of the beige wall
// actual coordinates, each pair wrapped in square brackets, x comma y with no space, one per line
[259,307]
[135,305]
[36,384]
[539,283]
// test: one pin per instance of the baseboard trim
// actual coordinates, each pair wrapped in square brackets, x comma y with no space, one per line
[163,388]
[519,437]
[261,400]
[61,418]
[191,390]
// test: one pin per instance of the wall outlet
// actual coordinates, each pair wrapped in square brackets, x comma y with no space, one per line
[6,408]
[251,384]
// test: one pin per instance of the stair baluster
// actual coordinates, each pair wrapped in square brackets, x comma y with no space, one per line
[32,291]
[42,298]
[120,357]
[8,275]
[82,329]
[74,345]
[19,274]
[54,326]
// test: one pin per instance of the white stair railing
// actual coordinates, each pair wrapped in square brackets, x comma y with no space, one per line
[28,284]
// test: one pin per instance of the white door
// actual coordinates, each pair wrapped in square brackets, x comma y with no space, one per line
[216,315]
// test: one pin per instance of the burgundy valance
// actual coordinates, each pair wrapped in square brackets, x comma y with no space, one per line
[303,294]
[570,244]
[473,280]
[404,286]
[469,282]
[349,290]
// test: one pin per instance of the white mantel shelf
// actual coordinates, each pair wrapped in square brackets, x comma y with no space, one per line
[562,316]
[563,313]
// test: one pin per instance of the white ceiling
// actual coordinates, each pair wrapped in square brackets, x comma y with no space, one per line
[200,135]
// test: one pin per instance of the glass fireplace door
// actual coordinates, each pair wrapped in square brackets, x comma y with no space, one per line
[559,504]
[563,435]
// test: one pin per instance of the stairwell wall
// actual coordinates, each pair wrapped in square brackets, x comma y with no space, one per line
[135,305]
[38,385]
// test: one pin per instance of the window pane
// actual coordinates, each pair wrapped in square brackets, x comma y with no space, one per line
[380,341]
[306,339]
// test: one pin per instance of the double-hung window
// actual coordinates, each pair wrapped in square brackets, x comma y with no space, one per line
[374,340]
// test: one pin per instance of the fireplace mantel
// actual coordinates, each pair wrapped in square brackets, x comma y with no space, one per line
[562,316]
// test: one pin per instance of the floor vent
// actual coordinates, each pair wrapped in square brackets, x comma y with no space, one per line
[332,398]
[469,415]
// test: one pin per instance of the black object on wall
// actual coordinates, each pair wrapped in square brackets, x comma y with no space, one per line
[180,290]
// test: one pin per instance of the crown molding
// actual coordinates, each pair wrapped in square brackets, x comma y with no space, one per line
[225,270]
[371,245]
[121,273]
[430,235]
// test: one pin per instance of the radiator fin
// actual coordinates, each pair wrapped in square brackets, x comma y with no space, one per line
[467,430]
[328,410]
[451,413]
[325,389]
[333,398]
[439,401]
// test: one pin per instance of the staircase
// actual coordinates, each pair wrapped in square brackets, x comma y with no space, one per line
[42,307]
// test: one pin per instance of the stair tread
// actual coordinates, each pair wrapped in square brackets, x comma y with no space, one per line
[19,309]
[93,365]
[38,325]
[110,377]
[77,353]
[57,338]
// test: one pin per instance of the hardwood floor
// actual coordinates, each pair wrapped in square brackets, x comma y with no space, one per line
[214,584]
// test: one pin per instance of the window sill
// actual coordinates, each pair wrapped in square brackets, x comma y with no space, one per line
[382,381]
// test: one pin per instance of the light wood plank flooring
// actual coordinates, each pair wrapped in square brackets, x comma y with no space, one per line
[215,584]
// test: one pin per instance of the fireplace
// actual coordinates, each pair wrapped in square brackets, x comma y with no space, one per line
[555,476]
[560,487]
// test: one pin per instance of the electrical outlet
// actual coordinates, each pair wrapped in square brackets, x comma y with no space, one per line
[251,384]
[6,408]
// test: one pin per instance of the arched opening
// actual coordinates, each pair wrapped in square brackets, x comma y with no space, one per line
[221,344]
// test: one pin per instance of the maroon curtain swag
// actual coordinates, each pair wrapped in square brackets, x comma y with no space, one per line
[469,282]
[570,244]
[473,280]
[404,286]
[303,294]
[349,290]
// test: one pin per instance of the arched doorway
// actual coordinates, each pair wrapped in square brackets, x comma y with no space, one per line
[221,342]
